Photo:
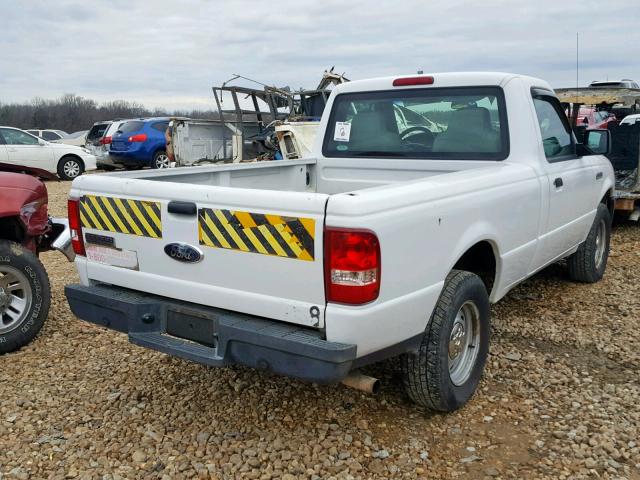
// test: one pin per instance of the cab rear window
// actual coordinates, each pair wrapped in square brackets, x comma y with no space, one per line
[439,123]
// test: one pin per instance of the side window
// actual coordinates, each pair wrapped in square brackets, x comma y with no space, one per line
[556,134]
[34,132]
[161,126]
[16,137]
[50,136]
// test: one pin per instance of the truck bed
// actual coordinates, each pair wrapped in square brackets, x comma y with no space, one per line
[250,222]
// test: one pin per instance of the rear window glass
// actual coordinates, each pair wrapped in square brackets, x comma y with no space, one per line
[97,131]
[160,126]
[130,127]
[443,123]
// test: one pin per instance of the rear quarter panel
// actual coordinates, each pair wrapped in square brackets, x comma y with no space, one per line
[424,227]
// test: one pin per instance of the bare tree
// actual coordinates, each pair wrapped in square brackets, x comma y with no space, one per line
[72,112]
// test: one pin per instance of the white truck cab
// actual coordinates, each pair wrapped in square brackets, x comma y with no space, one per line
[392,239]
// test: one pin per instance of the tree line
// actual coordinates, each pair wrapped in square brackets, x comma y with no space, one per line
[71,113]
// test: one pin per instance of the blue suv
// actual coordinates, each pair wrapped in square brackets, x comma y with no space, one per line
[141,143]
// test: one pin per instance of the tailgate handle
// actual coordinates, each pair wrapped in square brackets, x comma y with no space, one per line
[182,208]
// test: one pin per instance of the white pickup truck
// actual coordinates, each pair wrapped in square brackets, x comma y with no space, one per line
[392,239]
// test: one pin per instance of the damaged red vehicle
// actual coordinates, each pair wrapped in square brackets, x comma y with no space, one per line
[25,230]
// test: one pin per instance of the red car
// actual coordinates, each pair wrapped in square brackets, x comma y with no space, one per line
[595,119]
[25,230]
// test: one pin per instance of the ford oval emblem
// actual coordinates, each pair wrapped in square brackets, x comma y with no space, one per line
[183,252]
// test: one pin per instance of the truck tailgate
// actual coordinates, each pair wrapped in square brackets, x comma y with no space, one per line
[252,251]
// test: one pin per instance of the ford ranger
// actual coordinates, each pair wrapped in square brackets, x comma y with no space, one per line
[393,238]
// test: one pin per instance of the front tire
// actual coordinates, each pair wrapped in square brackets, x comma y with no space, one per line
[70,167]
[444,374]
[25,296]
[589,262]
[160,160]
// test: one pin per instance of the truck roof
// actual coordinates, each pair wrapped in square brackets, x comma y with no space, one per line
[444,79]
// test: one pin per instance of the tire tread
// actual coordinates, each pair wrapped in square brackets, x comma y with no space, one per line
[421,372]
[581,264]
[6,247]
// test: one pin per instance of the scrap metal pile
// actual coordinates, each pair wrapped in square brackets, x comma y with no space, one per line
[248,118]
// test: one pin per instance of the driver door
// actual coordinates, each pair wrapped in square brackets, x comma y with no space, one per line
[571,181]
[25,150]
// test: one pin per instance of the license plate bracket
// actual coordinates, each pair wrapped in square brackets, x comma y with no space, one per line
[193,325]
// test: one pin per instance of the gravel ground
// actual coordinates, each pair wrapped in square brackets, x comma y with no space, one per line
[560,399]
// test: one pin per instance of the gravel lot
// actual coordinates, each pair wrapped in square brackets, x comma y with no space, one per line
[560,399]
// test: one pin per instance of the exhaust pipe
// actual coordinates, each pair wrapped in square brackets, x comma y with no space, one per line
[361,382]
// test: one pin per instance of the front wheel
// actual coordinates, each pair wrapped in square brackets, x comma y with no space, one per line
[161,160]
[589,262]
[70,168]
[444,374]
[25,296]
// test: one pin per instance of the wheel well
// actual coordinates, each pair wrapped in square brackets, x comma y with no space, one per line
[481,260]
[609,201]
[11,229]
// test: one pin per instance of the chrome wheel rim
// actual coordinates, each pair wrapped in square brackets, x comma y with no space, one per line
[162,161]
[15,298]
[464,343]
[71,169]
[601,244]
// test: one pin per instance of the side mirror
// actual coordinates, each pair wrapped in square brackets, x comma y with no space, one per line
[595,142]
[41,142]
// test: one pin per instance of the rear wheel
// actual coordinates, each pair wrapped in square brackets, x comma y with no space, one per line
[589,262]
[161,160]
[70,168]
[444,374]
[25,296]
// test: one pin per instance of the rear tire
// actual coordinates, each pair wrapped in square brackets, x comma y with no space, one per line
[589,262]
[160,160]
[25,296]
[70,167]
[444,374]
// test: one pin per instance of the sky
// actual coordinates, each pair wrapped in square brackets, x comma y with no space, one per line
[169,54]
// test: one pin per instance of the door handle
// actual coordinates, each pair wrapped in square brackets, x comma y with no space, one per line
[558,182]
[598,175]
[182,208]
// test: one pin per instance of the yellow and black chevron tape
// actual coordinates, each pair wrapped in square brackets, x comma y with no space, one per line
[276,235]
[123,215]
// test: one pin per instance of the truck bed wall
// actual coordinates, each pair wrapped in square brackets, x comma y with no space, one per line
[333,176]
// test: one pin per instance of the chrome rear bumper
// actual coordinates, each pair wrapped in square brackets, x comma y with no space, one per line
[60,238]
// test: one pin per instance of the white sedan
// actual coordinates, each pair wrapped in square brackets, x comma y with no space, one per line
[20,148]
[76,138]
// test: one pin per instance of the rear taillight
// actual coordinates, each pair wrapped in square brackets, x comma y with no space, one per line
[105,141]
[352,266]
[76,227]
[409,81]
[141,137]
